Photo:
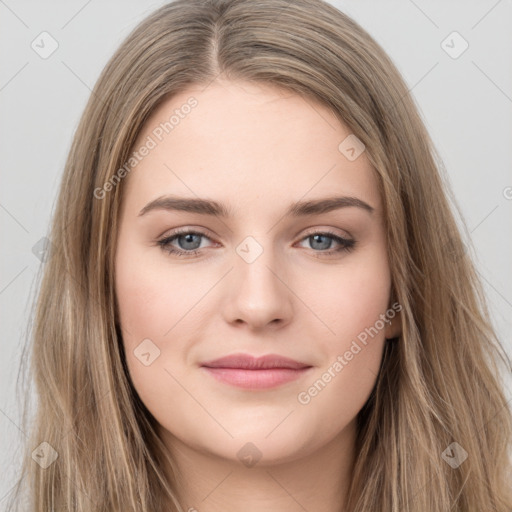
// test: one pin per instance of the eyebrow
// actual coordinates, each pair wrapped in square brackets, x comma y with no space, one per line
[211,207]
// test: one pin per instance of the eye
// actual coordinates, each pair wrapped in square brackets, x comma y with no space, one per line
[190,242]
[322,238]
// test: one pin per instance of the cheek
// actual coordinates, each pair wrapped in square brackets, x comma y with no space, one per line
[349,299]
[350,304]
[145,307]
[149,308]
[150,301]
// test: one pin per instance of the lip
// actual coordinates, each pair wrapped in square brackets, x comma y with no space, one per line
[248,362]
[249,372]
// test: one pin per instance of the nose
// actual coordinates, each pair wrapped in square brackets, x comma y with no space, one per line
[257,292]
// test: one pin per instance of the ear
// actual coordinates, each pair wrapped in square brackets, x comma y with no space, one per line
[394,327]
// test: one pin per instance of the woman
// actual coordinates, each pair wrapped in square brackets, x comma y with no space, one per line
[256,368]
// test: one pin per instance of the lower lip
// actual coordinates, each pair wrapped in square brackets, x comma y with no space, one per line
[256,379]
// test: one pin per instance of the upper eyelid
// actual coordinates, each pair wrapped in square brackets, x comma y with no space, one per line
[185,231]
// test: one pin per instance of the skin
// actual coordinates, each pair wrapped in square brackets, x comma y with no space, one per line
[256,149]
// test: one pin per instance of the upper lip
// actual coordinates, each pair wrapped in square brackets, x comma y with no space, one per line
[248,362]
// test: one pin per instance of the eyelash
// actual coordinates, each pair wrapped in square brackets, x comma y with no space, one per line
[347,244]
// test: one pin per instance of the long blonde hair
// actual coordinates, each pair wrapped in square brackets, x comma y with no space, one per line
[439,381]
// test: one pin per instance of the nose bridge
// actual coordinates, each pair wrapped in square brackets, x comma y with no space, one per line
[256,263]
[257,292]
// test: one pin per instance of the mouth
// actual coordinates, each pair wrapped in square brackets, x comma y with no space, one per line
[246,371]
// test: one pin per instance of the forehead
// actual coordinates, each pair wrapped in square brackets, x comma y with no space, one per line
[247,145]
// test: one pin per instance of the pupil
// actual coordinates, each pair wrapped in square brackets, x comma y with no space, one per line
[189,239]
[316,237]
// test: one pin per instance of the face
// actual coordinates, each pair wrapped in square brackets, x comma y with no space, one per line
[312,285]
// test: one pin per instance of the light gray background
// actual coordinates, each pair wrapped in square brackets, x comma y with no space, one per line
[466,103]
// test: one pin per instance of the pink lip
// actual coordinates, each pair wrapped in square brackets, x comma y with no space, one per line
[248,372]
